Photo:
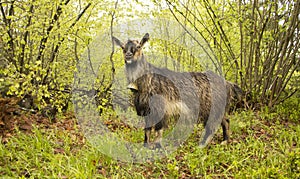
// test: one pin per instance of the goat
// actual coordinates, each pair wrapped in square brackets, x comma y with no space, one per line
[160,94]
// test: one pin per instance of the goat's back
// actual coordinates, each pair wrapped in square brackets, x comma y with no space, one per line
[188,88]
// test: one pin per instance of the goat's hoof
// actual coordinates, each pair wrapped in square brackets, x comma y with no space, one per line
[147,145]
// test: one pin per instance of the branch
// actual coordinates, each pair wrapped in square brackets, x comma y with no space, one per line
[21,57]
[10,42]
[222,33]
[55,51]
[113,13]
[49,29]
[285,98]
[80,15]
[197,30]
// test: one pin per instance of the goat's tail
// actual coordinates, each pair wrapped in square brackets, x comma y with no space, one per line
[235,95]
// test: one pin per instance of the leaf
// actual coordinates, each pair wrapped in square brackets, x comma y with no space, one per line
[38,62]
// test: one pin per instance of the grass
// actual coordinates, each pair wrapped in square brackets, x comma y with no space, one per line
[264,145]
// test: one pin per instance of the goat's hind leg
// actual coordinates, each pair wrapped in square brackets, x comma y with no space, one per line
[210,128]
[225,127]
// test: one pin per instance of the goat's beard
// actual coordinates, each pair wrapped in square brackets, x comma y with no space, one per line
[128,61]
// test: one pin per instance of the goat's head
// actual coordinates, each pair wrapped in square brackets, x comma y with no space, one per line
[132,50]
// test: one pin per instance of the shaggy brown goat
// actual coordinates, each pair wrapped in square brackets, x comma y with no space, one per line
[161,94]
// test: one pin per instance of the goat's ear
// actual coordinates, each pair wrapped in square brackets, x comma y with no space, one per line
[133,87]
[118,42]
[144,39]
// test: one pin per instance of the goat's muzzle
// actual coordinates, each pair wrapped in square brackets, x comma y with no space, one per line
[128,59]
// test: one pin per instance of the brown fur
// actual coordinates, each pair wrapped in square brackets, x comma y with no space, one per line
[160,94]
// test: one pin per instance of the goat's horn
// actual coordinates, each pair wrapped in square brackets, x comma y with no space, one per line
[132,86]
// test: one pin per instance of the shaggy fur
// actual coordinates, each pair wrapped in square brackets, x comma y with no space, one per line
[161,94]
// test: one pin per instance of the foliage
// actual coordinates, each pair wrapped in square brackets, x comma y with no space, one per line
[40,43]
[289,110]
[256,42]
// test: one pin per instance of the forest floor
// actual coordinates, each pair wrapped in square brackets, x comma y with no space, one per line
[264,144]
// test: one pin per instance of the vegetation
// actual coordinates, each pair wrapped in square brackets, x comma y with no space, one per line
[256,42]
[264,145]
[46,45]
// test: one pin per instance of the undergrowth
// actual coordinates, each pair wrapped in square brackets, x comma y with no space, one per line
[264,144]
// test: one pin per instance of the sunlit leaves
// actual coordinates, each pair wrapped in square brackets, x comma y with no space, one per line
[40,41]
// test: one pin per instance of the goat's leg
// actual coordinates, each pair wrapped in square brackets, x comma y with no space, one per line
[159,133]
[157,141]
[147,136]
[206,138]
[208,133]
[225,128]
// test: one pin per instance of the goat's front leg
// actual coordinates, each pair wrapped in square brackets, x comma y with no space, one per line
[158,139]
[159,134]
[147,136]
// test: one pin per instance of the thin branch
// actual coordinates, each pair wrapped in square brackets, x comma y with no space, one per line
[285,98]
[220,31]
[23,45]
[7,22]
[49,29]
[216,64]
[113,13]
[57,46]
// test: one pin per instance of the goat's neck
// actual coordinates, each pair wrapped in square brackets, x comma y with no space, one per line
[137,69]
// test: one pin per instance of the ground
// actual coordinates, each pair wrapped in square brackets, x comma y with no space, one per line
[264,144]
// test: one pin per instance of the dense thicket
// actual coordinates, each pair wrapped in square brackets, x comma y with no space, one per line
[256,42]
[39,43]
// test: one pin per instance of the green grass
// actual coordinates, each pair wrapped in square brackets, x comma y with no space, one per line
[264,145]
